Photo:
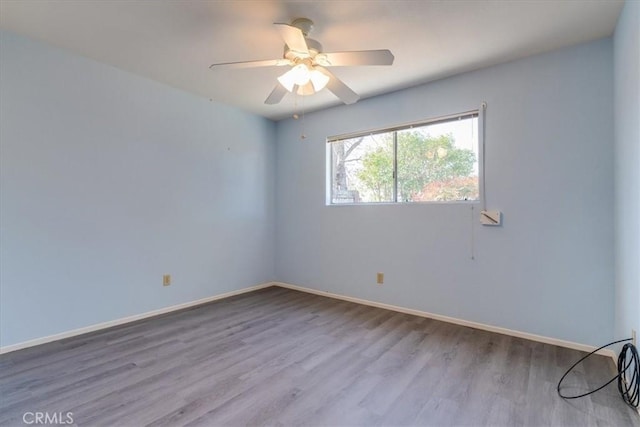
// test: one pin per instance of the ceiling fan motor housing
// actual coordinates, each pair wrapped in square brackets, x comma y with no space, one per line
[304,24]
[314,48]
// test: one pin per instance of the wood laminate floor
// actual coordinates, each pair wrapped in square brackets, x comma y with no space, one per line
[282,357]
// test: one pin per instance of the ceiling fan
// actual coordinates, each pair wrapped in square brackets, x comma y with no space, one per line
[308,64]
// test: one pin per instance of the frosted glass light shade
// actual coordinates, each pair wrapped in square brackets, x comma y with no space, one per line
[306,89]
[319,80]
[298,75]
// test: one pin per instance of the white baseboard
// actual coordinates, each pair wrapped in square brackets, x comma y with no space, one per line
[128,319]
[482,326]
[475,325]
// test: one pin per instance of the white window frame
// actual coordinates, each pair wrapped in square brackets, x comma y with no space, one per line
[479,113]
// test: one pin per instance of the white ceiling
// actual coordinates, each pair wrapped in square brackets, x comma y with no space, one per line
[174,42]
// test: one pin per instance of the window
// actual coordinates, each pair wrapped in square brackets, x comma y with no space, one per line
[431,161]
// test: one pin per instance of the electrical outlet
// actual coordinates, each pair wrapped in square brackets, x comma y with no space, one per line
[633,338]
[166,280]
[380,278]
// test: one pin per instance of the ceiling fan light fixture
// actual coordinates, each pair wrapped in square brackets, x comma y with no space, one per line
[319,80]
[299,75]
[305,90]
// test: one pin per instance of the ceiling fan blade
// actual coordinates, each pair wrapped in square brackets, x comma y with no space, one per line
[251,64]
[293,38]
[276,95]
[338,88]
[361,57]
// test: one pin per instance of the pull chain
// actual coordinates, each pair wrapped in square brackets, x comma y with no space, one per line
[295,113]
[302,135]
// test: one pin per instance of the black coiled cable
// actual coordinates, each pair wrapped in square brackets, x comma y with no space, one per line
[629,386]
[628,374]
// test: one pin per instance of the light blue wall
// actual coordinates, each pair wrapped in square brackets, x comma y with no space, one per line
[108,181]
[549,168]
[627,169]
